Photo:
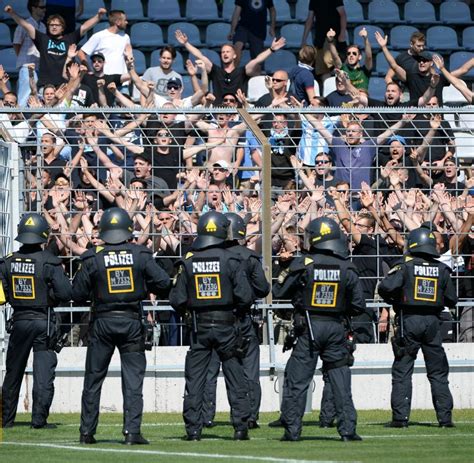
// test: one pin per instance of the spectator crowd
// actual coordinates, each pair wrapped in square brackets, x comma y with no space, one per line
[167,158]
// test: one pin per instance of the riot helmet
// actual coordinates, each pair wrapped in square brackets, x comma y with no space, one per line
[212,229]
[115,226]
[32,229]
[422,241]
[237,226]
[324,234]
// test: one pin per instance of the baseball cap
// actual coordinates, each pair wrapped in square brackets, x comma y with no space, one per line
[398,138]
[97,54]
[424,55]
[174,81]
[145,155]
[221,163]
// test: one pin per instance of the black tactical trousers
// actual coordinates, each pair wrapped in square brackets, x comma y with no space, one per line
[221,338]
[327,412]
[29,334]
[106,334]
[330,345]
[421,331]
[251,364]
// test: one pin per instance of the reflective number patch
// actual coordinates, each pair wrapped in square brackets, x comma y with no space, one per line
[324,294]
[23,287]
[426,289]
[208,286]
[120,280]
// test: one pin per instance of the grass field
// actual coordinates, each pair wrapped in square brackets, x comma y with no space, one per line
[423,441]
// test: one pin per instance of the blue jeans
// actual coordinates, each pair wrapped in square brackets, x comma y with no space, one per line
[23,85]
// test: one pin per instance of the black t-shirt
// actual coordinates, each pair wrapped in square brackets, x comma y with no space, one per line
[91,81]
[417,85]
[82,97]
[337,99]
[167,166]
[266,100]
[55,167]
[53,54]
[253,16]
[456,188]
[227,82]
[327,17]
[407,62]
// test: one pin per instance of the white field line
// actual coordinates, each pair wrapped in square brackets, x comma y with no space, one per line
[162,453]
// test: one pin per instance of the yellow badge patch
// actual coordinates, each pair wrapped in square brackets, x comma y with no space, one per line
[325,229]
[188,255]
[30,222]
[308,261]
[211,226]
[99,248]
[114,221]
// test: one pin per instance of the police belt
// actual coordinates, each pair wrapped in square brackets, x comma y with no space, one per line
[217,317]
[36,314]
[325,317]
[411,310]
[117,314]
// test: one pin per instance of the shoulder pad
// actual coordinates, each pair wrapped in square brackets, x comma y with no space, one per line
[145,250]
[89,253]
[188,255]
[299,263]
[52,259]
[8,255]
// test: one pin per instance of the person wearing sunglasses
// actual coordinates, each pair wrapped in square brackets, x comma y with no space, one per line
[277,86]
[53,46]
[359,75]
[26,52]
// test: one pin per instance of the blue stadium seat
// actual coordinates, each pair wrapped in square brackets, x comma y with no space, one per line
[140,62]
[212,55]
[354,12]
[468,38]
[146,35]
[293,34]
[178,63]
[90,9]
[377,88]
[301,10]
[99,27]
[454,13]
[282,59]
[421,12]
[133,8]
[371,34]
[441,38]
[216,34]
[8,60]
[400,37]
[381,64]
[5,36]
[457,59]
[187,86]
[282,11]
[164,10]
[191,30]
[383,11]
[19,6]
[245,57]
[227,9]
[201,10]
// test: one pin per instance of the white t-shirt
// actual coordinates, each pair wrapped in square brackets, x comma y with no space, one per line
[112,47]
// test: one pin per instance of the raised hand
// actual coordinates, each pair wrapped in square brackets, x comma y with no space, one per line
[331,35]
[363,33]
[192,70]
[278,43]
[381,40]
[181,37]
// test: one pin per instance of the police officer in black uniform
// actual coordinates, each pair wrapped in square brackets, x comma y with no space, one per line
[116,278]
[323,286]
[419,288]
[213,286]
[251,361]
[33,282]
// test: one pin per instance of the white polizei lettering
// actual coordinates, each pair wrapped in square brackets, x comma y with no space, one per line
[22,267]
[206,267]
[423,271]
[112,260]
[326,274]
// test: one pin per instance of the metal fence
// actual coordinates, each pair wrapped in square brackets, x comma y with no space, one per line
[270,165]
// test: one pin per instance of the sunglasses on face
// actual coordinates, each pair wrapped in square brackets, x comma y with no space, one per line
[322,162]
[352,53]
[219,169]
[277,80]
[173,87]
[228,100]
